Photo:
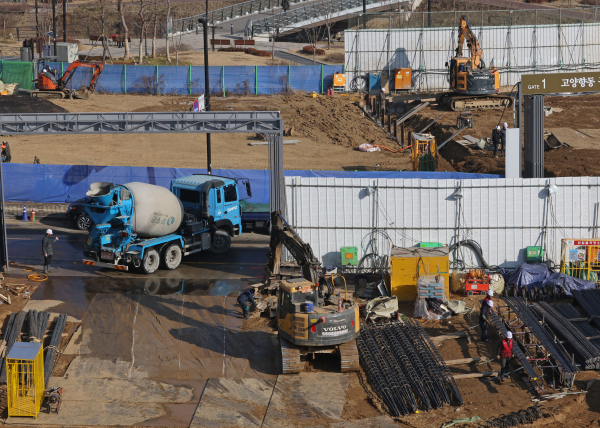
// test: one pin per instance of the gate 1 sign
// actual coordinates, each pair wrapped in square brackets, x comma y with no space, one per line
[555,83]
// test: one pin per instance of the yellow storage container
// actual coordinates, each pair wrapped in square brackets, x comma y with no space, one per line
[339,79]
[408,264]
[402,78]
[25,379]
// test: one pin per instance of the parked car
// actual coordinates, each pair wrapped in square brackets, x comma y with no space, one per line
[78,216]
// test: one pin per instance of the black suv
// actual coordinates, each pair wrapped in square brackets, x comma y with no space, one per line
[78,216]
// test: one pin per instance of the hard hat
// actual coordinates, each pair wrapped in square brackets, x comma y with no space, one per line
[382,89]
[49,231]
[490,293]
[505,125]
[498,127]
[508,335]
[491,303]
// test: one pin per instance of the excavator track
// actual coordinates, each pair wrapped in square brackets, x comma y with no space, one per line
[349,357]
[48,94]
[464,102]
[290,357]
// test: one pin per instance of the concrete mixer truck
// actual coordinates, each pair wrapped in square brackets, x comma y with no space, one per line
[143,226]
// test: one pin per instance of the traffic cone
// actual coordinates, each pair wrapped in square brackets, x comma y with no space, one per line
[24,214]
[33,214]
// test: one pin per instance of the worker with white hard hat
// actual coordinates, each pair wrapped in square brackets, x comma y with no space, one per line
[503,138]
[505,353]
[496,139]
[484,315]
[47,243]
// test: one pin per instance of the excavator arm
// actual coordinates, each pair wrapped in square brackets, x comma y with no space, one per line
[283,234]
[71,70]
[464,32]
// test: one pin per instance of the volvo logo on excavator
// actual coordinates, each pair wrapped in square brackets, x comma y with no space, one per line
[335,328]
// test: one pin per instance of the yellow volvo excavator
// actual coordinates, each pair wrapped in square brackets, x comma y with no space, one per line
[313,317]
[473,84]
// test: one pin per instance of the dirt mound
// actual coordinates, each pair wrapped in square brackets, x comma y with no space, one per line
[24,103]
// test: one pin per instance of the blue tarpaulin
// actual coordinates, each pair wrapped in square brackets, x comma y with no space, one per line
[568,283]
[66,183]
[528,276]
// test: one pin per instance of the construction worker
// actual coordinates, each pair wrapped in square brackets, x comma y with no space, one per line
[503,138]
[244,300]
[484,315]
[47,244]
[496,139]
[505,353]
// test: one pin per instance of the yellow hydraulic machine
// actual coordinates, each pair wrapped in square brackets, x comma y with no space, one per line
[424,152]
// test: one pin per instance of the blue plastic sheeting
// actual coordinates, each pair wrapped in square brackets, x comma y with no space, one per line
[112,79]
[528,276]
[141,79]
[174,80]
[66,183]
[272,80]
[568,283]
[240,80]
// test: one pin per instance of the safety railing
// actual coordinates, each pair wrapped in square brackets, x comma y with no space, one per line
[238,10]
[580,258]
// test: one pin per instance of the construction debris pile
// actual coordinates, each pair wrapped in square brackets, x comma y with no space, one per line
[405,368]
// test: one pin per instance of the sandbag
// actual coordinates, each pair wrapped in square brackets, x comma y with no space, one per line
[497,284]
[458,280]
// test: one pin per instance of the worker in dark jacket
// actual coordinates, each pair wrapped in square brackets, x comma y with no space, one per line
[503,138]
[496,140]
[47,243]
[245,299]
[505,353]
[484,315]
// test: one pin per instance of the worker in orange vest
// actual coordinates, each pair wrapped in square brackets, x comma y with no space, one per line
[505,353]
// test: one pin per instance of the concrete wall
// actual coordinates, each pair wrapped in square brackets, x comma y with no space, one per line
[503,215]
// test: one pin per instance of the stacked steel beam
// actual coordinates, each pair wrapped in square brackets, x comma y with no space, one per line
[519,354]
[585,352]
[569,312]
[405,368]
[590,302]
[527,316]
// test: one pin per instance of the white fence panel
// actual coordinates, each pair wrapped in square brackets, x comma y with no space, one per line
[503,215]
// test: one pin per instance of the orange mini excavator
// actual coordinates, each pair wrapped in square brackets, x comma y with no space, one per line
[49,86]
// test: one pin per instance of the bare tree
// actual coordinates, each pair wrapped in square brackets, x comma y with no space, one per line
[167,29]
[143,28]
[156,12]
[125,30]
[328,21]
[177,41]
[312,36]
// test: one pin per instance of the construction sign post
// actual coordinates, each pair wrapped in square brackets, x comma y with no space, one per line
[554,83]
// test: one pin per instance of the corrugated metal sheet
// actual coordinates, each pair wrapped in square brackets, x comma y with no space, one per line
[513,49]
[503,215]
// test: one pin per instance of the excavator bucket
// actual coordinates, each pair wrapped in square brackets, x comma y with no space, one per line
[83,94]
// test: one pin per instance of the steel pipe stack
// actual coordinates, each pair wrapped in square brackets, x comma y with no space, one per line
[585,351]
[569,312]
[405,368]
[11,337]
[548,342]
[590,302]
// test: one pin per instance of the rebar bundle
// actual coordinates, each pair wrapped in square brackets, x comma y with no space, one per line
[405,368]
[11,336]
[568,311]
[585,352]
[527,316]
[590,302]
[37,325]
[522,417]
[59,326]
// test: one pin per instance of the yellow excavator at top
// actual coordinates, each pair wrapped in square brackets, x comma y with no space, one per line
[473,84]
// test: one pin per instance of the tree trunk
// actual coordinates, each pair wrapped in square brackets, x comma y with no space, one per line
[141,53]
[155,25]
[167,30]
[329,36]
[125,30]
[177,57]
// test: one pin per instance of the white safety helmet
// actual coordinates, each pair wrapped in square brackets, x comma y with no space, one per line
[491,303]
[498,128]
[508,335]
[490,293]
[49,231]
[382,89]
[505,125]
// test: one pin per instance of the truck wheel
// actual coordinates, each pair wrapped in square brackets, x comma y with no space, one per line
[150,262]
[83,222]
[172,256]
[221,242]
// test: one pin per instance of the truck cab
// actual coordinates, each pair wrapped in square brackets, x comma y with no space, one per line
[213,199]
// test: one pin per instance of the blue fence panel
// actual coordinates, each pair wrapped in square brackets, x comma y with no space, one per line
[174,80]
[215,76]
[141,79]
[240,80]
[271,79]
[66,183]
[112,79]
[305,78]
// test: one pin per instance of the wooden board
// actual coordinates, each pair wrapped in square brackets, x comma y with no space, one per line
[472,375]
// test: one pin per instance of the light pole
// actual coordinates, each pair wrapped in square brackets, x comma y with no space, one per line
[204,22]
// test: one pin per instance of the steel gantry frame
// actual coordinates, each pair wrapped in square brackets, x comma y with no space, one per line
[264,122]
